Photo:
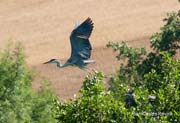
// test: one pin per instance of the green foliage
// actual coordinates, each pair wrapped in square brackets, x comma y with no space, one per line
[14,81]
[18,103]
[43,108]
[169,37]
[167,40]
[138,62]
[94,105]
[134,56]
[166,87]
[154,78]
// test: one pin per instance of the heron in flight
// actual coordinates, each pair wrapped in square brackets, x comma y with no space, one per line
[80,46]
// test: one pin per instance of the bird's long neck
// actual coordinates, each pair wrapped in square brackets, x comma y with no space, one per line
[62,65]
[58,63]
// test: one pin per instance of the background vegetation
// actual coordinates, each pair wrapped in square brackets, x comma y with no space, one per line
[145,89]
[18,103]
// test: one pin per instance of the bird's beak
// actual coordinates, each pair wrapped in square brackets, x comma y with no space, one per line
[46,62]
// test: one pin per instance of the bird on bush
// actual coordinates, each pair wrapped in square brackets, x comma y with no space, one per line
[80,46]
[130,101]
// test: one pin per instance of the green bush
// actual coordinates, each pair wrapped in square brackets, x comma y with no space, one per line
[18,102]
[154,77]
[128,71]
[93,104]
[166,87]
[169,37]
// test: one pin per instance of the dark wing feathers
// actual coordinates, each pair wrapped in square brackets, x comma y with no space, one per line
[80,45]
[85,28]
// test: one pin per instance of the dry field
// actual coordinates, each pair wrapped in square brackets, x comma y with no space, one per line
[44,26]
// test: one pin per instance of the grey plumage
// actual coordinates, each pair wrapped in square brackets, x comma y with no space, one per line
[80,46]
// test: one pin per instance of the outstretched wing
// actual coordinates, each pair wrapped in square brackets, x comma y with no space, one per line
[80,45]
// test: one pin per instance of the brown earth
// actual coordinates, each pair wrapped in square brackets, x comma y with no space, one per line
[44,26]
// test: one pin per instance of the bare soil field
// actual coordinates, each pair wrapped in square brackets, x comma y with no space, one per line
[44,26]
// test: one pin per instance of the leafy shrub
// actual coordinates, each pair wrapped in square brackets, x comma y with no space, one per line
[128,71]
[93,104]
[166,87]
[169,37]
[154,77]
[18,102]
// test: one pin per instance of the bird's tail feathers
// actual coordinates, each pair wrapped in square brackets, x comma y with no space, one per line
[89,61]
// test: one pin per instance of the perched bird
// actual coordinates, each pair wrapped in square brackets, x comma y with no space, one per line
[80,46]
[130,101]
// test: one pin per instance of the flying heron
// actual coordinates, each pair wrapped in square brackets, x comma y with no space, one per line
[80,46]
